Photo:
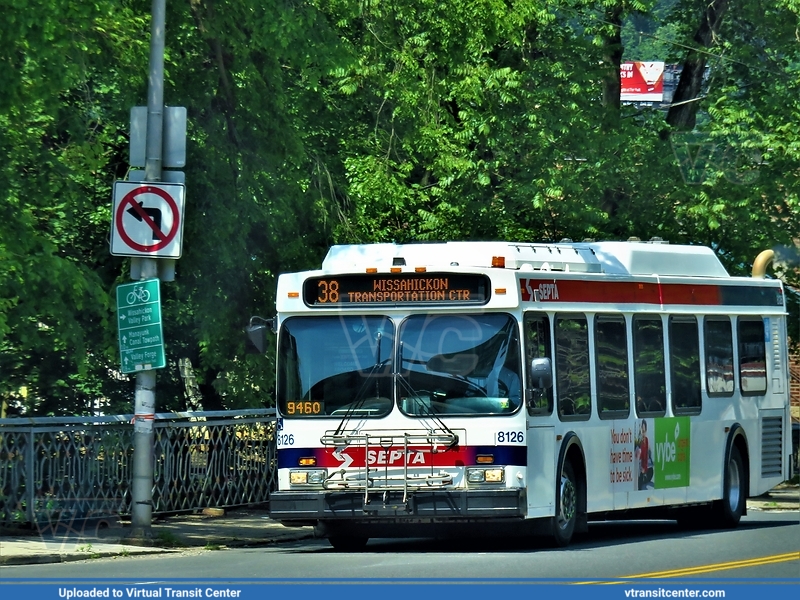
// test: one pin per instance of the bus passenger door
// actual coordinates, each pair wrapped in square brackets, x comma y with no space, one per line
[541,437]
[541,469]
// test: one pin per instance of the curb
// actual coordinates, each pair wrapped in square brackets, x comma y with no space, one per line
[183,546]
[241,542]
[770,506]
[267,542]
[42,559]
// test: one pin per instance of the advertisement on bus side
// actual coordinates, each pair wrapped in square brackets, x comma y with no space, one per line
[654,454]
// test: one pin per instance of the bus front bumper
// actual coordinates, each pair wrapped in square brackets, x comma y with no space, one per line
[444,505]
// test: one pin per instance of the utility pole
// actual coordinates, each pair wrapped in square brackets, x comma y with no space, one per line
[147,225]
[147,268]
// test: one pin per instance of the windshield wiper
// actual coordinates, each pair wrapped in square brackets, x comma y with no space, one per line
[427,411]
[361,395]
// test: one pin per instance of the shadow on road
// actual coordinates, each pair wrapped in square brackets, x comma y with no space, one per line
[601,534]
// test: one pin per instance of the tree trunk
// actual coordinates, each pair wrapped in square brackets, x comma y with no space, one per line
[682,114]
[612,106]
[612,58]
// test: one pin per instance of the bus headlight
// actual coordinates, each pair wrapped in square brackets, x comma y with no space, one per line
[308,477]
[483,475]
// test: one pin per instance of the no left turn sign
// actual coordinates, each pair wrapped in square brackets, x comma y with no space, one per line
[147,219]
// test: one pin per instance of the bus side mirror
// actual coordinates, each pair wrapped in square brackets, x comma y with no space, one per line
[541,373]
[257,333]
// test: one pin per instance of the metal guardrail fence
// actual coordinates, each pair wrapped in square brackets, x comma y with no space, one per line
[57,468]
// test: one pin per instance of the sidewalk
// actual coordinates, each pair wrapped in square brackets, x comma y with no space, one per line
[82,541]
[237,527]
[786,496]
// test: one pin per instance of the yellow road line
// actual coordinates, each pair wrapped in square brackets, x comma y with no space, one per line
[737,564]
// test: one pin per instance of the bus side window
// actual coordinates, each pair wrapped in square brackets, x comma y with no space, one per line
[611,347]
[537,345]
[719,356]
[649,379]
[752,357]
[684,365]
[573,383]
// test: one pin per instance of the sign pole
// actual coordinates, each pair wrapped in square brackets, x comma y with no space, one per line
[147,268]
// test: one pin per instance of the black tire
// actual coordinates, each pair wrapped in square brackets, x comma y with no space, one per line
[346,543]
[566,506]
[730,509]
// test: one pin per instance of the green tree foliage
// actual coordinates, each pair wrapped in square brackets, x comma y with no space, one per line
[323,121]
[60,145]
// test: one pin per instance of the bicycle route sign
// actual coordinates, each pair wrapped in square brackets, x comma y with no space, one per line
[147,219]
[141,338]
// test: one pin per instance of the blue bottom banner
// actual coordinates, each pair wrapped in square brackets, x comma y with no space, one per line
[400,589]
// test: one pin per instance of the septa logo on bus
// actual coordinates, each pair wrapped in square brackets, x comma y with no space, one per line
[537,292]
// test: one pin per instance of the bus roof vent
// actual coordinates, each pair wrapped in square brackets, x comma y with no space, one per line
[564,256]
[658,259]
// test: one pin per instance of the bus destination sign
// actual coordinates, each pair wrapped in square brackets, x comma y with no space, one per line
[404,288]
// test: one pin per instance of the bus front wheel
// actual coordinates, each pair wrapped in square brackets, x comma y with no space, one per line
[566,506]
[734,493]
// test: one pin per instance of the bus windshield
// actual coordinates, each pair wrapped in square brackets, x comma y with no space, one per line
[335,366]
[448,365]
[458,364]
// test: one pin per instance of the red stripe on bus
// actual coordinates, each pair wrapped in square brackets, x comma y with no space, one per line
[618,292]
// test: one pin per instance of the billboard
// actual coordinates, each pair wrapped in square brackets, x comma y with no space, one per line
[641,81]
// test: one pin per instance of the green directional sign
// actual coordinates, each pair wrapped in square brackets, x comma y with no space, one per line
[141,339]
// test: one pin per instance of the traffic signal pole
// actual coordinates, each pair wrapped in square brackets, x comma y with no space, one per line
[147,268]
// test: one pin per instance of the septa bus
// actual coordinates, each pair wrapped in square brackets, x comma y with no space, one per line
[480,387]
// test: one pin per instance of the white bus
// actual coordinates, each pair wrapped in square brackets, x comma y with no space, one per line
[487,387]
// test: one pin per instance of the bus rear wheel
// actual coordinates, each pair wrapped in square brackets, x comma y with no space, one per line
[566,506]
[730,509]
[347,543]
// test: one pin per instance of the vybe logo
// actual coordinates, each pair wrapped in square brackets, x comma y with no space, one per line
[702,157]
[672,444]
[667,451]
